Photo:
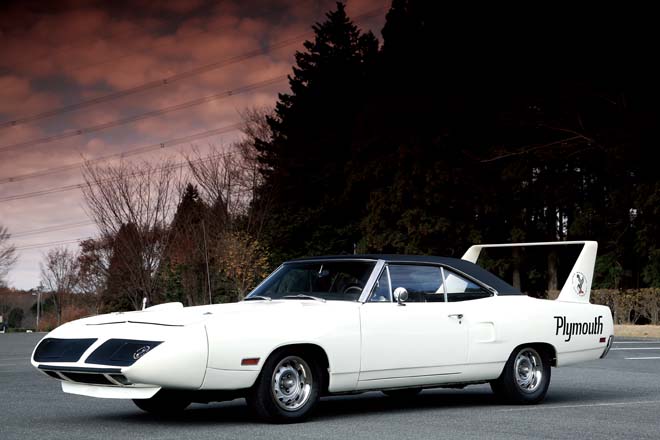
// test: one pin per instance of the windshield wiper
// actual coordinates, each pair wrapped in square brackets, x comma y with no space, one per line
[303,296]
[257,297]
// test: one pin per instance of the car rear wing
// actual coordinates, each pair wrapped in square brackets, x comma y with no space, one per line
[577,287]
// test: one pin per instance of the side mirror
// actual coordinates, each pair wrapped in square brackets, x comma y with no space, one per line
[401,295]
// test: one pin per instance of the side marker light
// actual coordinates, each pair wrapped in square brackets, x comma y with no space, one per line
[250,361]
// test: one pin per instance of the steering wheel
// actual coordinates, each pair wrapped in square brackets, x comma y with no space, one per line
[353,289]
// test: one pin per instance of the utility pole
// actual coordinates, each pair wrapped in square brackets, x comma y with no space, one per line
[39,289]
[206,255]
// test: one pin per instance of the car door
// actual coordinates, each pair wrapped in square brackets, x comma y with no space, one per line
[423,341]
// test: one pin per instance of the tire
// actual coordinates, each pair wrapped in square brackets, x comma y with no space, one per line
[404,393]
[164,402]
[288,387]
[525,378]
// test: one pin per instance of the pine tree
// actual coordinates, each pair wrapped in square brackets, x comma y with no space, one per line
[125,269]
[184,265]
[305,164]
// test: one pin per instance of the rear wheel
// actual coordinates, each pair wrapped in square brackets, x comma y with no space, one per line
[525,378]
[404,393]
[164,402]
[287,388]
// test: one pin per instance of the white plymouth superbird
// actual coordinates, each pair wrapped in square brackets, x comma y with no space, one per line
[331,325]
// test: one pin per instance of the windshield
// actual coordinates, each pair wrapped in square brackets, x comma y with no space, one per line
[329,280]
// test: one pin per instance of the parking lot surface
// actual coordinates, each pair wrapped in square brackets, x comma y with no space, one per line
[618,397]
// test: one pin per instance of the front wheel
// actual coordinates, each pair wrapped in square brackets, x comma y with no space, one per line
[525,378]
[164,402]
[287,388]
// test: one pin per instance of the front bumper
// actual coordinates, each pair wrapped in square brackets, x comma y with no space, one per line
[176,359]
[106,392]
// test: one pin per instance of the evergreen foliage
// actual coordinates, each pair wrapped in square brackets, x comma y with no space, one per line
[456,131]
[305,163]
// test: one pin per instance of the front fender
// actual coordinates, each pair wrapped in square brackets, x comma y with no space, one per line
[335,328]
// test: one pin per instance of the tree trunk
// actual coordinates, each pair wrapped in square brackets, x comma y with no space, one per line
[552,271]
[516,268]
[58,307]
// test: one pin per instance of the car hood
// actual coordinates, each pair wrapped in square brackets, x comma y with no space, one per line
[174,314]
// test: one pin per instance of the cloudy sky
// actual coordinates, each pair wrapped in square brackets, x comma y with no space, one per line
[82,80]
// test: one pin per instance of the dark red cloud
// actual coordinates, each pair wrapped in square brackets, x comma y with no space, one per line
[58,53]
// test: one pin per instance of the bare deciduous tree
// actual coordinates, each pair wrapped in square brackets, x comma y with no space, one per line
[132,204]
[7,254]
[59,275]
[218,175]
[255,126]
[94,259]
[256,130]
[229,182]
[231,179]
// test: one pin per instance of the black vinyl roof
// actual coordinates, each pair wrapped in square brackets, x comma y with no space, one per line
[475,271]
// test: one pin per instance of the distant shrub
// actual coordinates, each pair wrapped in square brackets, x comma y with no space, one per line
[630,306]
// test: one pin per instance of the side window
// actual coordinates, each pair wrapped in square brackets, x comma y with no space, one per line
[462,289]
[382,291]
[423,283]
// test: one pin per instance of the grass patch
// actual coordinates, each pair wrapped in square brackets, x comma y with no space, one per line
[637,331]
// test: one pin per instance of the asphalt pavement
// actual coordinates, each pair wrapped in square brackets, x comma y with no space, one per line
[618,397]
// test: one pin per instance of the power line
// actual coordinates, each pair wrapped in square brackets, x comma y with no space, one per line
[52,228]
[61,227]
[64,226]
[43,192]
[51,243]
[130,91]
[139,117]
[55,228]
[74,186]
[150,85]
[126,153]
[173,78]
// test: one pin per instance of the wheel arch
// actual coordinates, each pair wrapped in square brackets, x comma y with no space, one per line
[548,348]
[317,352]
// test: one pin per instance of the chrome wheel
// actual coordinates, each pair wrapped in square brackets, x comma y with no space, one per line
[528,370]
[291,383]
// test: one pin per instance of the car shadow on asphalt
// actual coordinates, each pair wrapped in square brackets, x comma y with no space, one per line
[375,403]
[357,405]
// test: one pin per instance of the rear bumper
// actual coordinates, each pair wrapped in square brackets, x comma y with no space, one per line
[610,341]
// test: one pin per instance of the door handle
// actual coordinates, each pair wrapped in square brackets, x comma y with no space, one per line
[456,315]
